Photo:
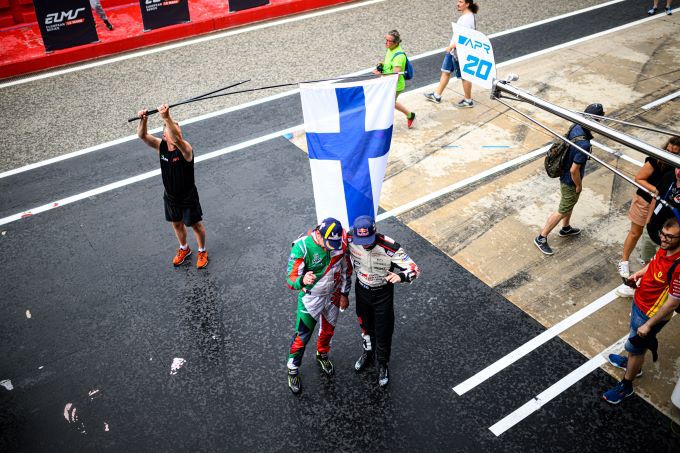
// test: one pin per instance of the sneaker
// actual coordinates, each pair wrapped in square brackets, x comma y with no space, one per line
[181,256]
[202,259]
[542,245]
[108,25]
[465,104]
[651,11]
[365,359]
[325,363]
[409,121]
[624,270]
[294,383]
[624,291]
[620,361]
[617,393]
[569,231]
[669,11]
[433,98]
[383,376]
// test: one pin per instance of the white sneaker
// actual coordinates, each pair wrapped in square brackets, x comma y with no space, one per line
[624,270]
[625,291]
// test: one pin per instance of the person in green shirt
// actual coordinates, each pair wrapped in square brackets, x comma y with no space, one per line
[395,61]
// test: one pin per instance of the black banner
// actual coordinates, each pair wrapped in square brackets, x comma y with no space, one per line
[240,5]
[66,23]
[161,13]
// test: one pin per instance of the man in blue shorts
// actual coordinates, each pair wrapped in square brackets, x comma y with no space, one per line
[657,294]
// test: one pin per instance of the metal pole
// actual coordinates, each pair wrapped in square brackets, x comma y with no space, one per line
[504,86]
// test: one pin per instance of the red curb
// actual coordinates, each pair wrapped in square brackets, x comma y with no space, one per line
[206,18]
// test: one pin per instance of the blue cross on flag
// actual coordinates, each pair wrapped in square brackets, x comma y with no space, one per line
[349,131]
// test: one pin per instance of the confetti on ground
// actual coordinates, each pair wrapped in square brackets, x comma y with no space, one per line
[177,363]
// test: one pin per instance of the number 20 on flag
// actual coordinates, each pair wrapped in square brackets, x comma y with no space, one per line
[475,56]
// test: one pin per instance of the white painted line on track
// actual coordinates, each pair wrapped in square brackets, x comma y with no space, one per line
[553,19]
[460,184]
[555,390]
[663,100]
[189,42]
[141,177]
[618,154]
[579,40]
[534,343]
[295,91]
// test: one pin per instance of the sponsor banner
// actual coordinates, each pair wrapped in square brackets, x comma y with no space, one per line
[66,23]
[475,56]
[161,13]
[240,5]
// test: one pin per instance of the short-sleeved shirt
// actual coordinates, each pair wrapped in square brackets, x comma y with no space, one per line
[389,63]
[669,192]
[659,171]
[465,21]
[654,287]
[574,156]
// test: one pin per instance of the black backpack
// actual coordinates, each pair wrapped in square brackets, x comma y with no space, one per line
[554,158]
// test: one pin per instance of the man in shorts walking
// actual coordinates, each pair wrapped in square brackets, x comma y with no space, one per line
[656,296]
[182,207]
[571,183]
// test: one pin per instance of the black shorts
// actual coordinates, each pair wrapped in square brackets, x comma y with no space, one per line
[189,215]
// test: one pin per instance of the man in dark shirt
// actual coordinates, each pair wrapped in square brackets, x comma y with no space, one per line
[571,183]
[182,206]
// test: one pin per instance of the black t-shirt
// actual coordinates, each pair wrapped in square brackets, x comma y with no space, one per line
[178,177]
[659,172]
[669,192]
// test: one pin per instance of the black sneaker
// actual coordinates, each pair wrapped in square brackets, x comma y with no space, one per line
[542,244]
[651,11]
[294,383]
[365,359]
[569,231]
[108,25]
[325,363]
[383,376]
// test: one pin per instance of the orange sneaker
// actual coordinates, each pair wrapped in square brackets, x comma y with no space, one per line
[202,260]
[181,256]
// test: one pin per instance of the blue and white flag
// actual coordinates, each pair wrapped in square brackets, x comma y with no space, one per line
[349,131]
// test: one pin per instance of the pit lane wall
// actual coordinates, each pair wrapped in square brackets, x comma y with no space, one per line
[22,51]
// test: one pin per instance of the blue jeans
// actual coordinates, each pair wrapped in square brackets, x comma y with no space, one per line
[450,65]
[637,318]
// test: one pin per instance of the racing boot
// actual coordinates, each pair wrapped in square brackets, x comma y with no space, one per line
[325,363]
[294,382]
[383,375]
[365,359]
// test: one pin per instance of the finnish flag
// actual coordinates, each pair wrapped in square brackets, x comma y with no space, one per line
[349,131]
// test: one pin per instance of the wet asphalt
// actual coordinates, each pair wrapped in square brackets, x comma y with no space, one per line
[109,314]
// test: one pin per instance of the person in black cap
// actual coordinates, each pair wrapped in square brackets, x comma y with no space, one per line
[321,273]
[379,263]
[571,182]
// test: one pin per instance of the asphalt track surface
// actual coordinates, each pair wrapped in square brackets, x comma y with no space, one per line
[109,314]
